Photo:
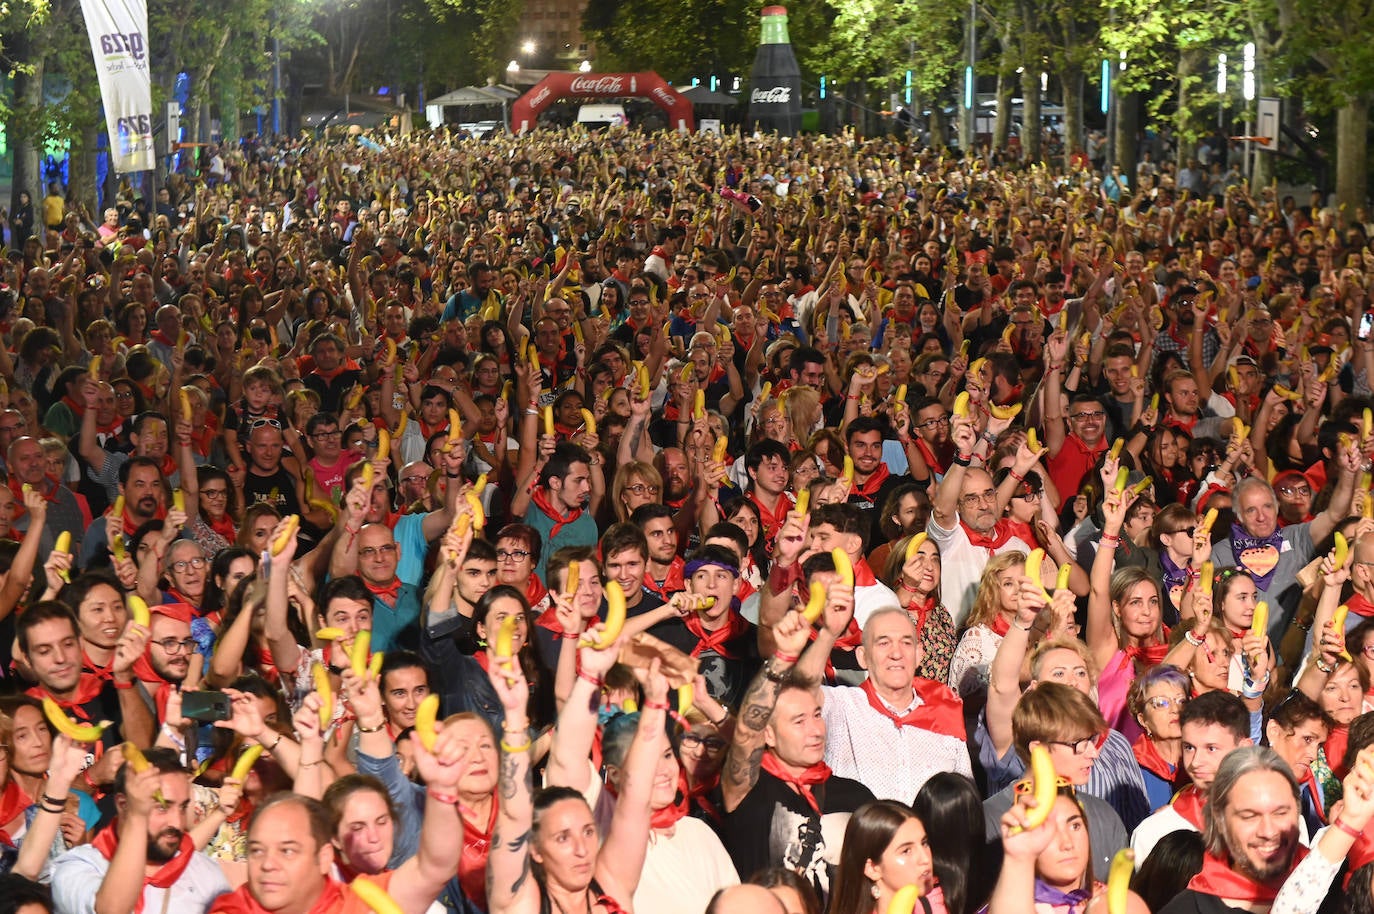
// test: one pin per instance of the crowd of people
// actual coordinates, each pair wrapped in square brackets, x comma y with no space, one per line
[595,523]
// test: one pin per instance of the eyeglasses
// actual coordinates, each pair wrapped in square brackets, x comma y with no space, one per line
[416,477]
[1164,703]
[988,497]
[639,301]
[509,555]
[334,434]
[175,646]
[1078,746]
[1300,491]
[640,488]
[372,553]
[933,424]
[710,743]
[1189,531]
[215,493]
[1089,414]
[1027,496]
[180,566]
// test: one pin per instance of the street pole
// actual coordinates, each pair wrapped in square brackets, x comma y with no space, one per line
[276,85]
[967,126]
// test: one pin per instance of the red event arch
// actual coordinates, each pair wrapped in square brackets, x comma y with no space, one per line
[525,112]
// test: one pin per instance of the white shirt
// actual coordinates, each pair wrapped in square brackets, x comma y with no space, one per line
[77,874]
[893,762]
[961,566]
[683,871]
[870,598]
[1166,821]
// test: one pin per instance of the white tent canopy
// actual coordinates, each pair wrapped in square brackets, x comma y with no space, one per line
[497,95]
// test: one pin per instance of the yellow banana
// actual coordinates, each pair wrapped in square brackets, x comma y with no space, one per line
[1206,577]
[1209,519]
[548,421]
[329,634]
[1341,552]
[914,544]
[1032,441]
[904,900]
[1115,452]
[455,427]
[374,896]
[699,405]
[1119,881]
[293,523]
[179,500]
[374,666]
[1004,412]
[1286,393]
[479,516]
[480,484]
[815,603]
[1061,582]
[1035,564]
[1154,402]
[1338,626]
[718,452]
[685,694]
[138,610]
[1122,475]
[615,617]
[320,676]
[135,757]
[369,475]
[642,375]
[357,657]
[1141,486]
[901,394]
[80,733]
[847,474]
[961,405]
[94,368]
[425,715]
[1260,622]
[803,501]
[383,444]
[185,404]
[1044,786]
[843,566]
[571,578]
[245,763]
[589,421]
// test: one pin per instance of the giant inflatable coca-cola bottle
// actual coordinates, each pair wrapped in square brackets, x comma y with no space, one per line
[775,84]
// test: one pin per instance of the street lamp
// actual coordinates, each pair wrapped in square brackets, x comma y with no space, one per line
[584,67]
[527,47]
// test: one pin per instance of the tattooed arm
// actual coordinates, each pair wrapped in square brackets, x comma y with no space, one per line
[741,770]
[510,888]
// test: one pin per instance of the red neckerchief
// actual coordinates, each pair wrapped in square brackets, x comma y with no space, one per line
[472,865]
[1220,880]
[700,794]
[939,710]
[921,611]
[1000,625]
[429,431]
[1188,803]
[77,409]
[165,340]
[332,900]
[548,619]
[1148,656]
[330,375]
[818,773]
[1314,790]
[1148,757]
[90,666]
[13,802]
[672,583]
[1001,533]
[224,527]
[715,641]
[49,492]
[1020,529]
[1171,418]
[1334,747]
[387,593]
[143,667]
[1091,451]
[535,590]
[869,490]
[540,497]
[1360,605]
[668,816]
[108,840]
[772,520]
[88,688]
[928,453]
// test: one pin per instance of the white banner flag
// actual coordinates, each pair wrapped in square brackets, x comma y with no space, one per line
[118,30]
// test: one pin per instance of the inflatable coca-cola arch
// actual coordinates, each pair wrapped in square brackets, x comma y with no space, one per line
[527,108]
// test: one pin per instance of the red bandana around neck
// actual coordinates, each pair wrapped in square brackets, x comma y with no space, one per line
[1220,880]
[169,873]
[1188,803]
[869,490]
[1001,533]
[387,593]
[668,816]
[540,497]
[818,773]
[88,688]
[241,901]
[1148,757]
[716,641]
[939,710]
[1360,605]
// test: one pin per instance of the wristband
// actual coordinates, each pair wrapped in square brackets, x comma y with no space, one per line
[596,681]
[362,729]
[1108,539]
[513,750]
[447,799]
[781,579]
[1325,667]
[1352,832]
[785,658]
[52,804]
[1024,628]
[655,706]
[123,685]
[962,460]
[1015,475]
[1194,641]
[773,675]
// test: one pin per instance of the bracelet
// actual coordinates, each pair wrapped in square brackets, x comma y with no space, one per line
[962,460]
[53,805]
[512,750]
[1015,475]
[95,788]
[1193,640]
[570,636]
[362,729]
[1248,690]
[785,658]
[773,675]
[123,685]
[1024,628]
[655,706]
[1357,834]
[447,799]
[452,475]
[273,748]
[1325,667]
[531,412]
[318,761]
[596,681]
[1108,539]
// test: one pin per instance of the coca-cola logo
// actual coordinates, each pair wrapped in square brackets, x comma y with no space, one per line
[540,97]
[778,95]
[594,85]
[664,96]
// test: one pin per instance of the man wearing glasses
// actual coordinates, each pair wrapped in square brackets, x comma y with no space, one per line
[331,461]
[166,660]
[1072,451]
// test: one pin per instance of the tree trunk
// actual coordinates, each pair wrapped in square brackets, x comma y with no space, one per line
[81,173]
[1352,142]
[1001,127]
[1190,63]
[1030,115]
[1127,129]
[939,136]
[1072,81]
[24,138]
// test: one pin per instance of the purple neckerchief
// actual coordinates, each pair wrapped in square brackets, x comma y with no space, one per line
[1048,894]
[1241,542]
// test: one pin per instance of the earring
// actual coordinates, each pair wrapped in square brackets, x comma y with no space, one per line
[876,891]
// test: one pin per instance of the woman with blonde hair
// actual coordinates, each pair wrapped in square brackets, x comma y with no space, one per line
[636,483]
[994,610]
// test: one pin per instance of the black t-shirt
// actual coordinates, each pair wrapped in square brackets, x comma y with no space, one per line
[727,678]
[872,506]
[277,490]
[775,826]
[1190,902]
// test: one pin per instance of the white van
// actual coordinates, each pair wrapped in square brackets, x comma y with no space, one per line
[596,117]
